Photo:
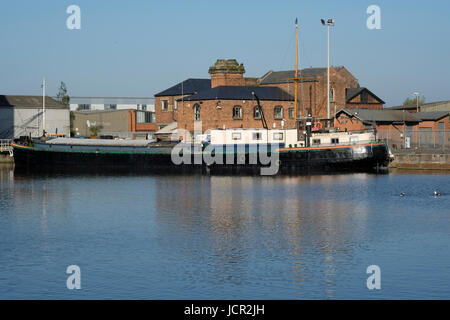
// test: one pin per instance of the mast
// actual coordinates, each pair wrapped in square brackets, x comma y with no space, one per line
[296,71]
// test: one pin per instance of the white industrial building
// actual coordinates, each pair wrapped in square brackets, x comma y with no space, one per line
[24,116]
[111,103]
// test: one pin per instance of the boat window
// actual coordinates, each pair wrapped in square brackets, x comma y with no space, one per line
[236,136]
[334,140]
[278,136]
[316,141]
[257,136]
[354,139]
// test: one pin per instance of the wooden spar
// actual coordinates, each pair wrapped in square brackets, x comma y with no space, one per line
[296,71]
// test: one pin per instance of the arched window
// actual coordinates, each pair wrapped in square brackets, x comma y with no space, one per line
[278,113]
[256,113]
[237,113]
[196,112]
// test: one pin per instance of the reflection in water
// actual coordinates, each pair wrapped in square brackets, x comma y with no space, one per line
[217,237]
[244,216]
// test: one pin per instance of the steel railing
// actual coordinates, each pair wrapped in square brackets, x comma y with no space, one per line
[416,139]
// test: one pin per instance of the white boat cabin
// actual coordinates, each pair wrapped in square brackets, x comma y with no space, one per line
[287,137]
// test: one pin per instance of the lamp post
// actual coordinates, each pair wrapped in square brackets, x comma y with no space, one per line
[417,100]
[43,106]
[329,23]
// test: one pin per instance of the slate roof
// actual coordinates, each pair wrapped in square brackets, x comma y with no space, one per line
[274,77]
[369,115]
[431,116]
[241,93]
[189,86]
[25,102]
[408,107]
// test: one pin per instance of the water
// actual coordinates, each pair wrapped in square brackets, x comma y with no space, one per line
[200,237]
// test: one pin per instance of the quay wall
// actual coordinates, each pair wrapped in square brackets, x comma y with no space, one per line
[421,160]
[6,158]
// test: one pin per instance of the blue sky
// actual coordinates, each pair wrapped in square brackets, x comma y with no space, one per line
[138,48]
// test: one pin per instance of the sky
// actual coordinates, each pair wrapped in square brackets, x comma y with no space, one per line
[138,48]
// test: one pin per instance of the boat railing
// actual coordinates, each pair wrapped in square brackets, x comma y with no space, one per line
[5,145]
[346,143]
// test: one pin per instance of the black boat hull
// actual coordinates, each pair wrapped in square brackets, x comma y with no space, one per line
[356,158]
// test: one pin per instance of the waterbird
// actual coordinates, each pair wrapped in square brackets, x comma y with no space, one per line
[402,194]
[436,194]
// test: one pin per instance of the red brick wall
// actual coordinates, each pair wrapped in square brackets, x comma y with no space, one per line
[213,118]
[344,122]
[313,95]
[166,117]
[435,124]
[377,106]
[135,127]
[227,79]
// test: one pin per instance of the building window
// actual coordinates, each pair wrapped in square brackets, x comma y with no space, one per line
[278,136]
[316,141]
[257,136]
[256,113]
[110,106]
[332,95]
[164,105]
[291,113]
[145,117]
[144,107]
[84,107]
[334,140]
[236,136]
[278,113]
[175,104]
[196,112]
[237,113]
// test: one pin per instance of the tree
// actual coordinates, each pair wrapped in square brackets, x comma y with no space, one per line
[62,95]
[64,98]
[94,131]
[413,101]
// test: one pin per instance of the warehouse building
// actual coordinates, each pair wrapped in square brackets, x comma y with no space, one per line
[24,116]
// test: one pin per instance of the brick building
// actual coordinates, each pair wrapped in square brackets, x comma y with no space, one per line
[166,102]
[236,107]
[400,128]
[226,101]
[344,90]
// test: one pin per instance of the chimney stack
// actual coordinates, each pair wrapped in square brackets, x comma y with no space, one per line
[227,73]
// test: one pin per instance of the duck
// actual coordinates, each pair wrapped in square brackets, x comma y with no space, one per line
[402,194]
[437,194]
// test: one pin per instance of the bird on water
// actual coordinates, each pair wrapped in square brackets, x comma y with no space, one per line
[437,194]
